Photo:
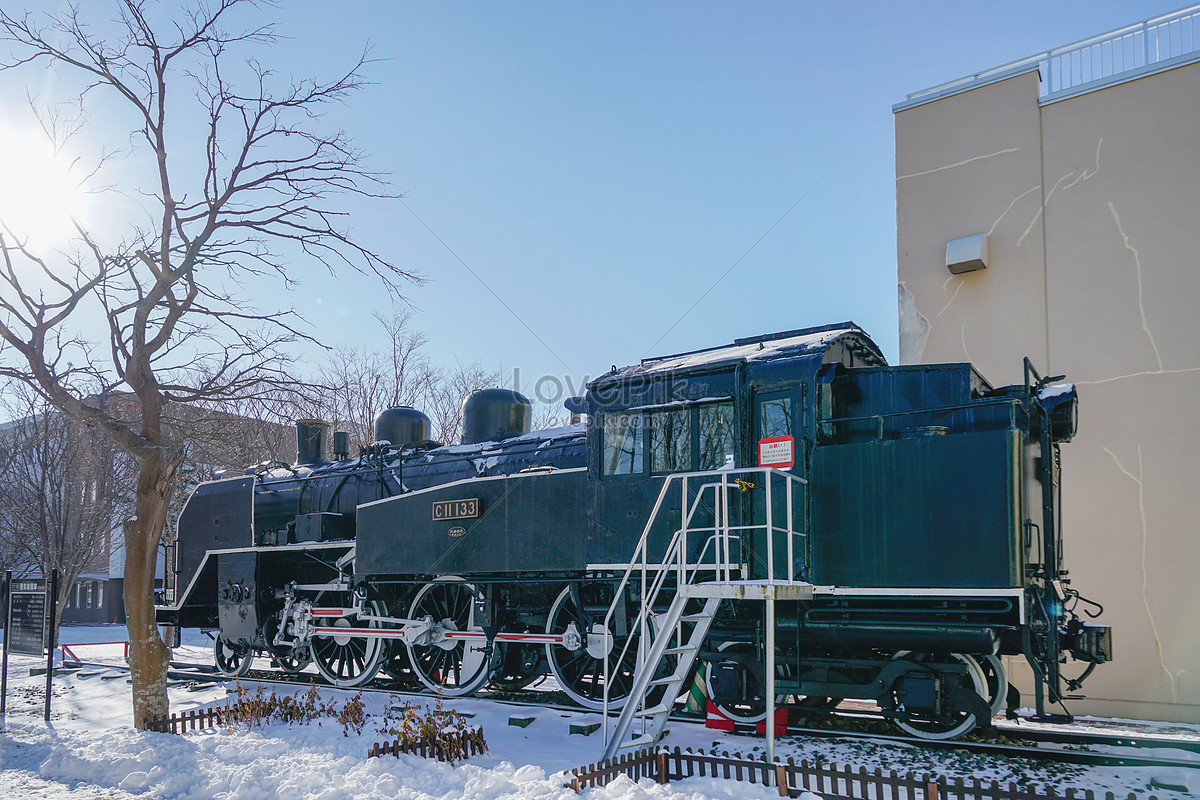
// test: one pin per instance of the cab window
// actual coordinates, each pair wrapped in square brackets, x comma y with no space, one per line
[624,448]
[716,430]
[671,440]
[775,418]
[679,439]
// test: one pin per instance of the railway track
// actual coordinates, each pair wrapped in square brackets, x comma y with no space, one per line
[1019,741]
[1038,746]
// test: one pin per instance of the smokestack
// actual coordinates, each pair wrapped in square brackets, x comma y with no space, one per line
[310,441]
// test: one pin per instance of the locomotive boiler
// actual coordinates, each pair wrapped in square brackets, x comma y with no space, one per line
[808,523]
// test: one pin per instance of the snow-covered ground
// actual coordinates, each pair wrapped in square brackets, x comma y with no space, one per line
[90,751]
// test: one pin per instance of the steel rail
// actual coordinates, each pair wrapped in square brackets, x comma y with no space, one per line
[1032,752]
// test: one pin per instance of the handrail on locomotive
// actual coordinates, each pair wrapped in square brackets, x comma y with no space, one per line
[722,567]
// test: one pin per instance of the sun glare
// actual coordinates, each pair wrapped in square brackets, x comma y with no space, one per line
[39,196]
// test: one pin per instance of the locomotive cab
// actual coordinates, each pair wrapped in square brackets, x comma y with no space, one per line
[748,405]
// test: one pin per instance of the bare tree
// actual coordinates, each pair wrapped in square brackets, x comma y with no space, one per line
[446,399]
[546,415]
[10,556]
[354,384]
[63,490]
[261,186]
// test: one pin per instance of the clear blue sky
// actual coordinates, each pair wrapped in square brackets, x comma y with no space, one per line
[601,164]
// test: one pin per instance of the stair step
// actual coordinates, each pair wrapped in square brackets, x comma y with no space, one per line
[667,681]
[681,650]
[654,711]
[697,617]
[637,741]
[681,673]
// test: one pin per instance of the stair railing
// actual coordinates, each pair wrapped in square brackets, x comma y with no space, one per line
[721,536]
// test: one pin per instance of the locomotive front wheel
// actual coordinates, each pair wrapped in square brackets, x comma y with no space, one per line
[347,660]
[580,672]
[290,660]
[450,666]
[294,661]
[950,724]
[231,661]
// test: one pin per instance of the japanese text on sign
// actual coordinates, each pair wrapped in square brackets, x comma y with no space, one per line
[27,616]
[776,451]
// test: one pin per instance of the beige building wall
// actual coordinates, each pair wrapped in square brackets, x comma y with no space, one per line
[1091,205]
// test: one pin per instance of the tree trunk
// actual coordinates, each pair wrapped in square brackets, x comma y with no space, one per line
[148,656]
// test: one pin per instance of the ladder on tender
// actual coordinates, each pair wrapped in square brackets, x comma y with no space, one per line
[669,642]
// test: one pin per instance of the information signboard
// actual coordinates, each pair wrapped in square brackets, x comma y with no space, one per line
[776,451]
[27,616]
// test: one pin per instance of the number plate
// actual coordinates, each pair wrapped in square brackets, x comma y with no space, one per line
[456,509]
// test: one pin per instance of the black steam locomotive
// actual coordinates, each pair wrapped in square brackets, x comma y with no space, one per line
[901,524]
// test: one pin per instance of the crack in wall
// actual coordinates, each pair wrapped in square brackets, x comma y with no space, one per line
[963,338]
[1037,215]
[956,291]
[1139,482]
[961,280]
[1083,175]
[996,224]
[1137,262]
[960,163]
[1137,375]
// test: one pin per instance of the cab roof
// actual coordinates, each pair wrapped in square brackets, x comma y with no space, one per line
[803,342]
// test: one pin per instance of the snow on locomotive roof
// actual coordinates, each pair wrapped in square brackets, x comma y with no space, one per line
[755,348]
[681,403]
[544,436]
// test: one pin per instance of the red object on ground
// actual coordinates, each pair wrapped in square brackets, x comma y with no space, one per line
[713,718]
[781,723]
[68,649]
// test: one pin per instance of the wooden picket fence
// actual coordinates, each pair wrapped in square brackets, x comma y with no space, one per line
[826,779]
[648,763]
[195,720]
[447,747]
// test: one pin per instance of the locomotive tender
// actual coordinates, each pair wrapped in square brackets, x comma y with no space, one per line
[904,519]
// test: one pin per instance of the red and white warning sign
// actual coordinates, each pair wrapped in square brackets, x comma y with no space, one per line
[777,451]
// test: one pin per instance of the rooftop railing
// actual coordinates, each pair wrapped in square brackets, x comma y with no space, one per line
[1122,54]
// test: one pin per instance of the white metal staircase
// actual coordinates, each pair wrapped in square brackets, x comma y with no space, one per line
[665,649]
[668,642]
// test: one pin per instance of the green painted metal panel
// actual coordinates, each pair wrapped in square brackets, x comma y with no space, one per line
[931,511]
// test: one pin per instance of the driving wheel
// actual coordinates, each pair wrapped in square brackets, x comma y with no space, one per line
[448,664]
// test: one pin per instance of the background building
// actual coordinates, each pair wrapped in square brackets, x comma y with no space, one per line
[66,491]
[1081,168]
